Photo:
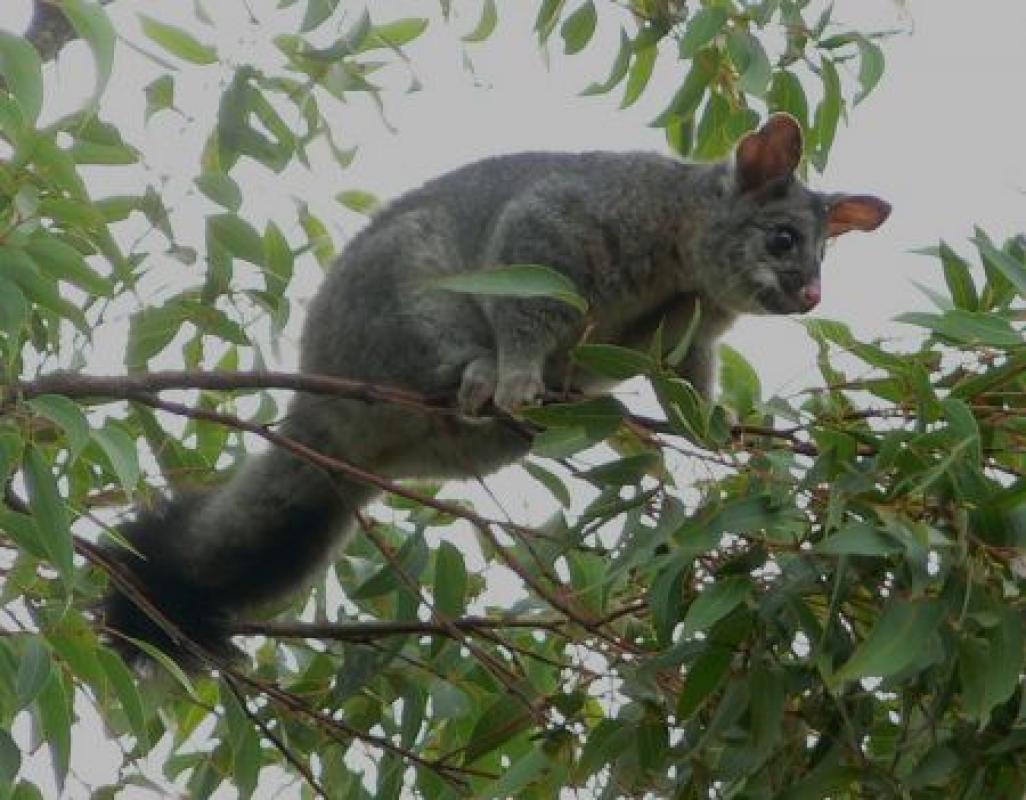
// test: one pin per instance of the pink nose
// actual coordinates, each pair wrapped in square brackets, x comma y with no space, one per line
[812,293]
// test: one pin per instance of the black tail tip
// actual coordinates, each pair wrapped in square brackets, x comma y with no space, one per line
[188,626]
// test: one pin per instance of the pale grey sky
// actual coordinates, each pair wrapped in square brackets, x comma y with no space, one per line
[941,138]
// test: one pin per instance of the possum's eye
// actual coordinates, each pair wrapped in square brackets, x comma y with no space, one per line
[781,240]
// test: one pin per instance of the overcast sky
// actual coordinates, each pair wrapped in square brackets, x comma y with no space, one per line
[941,139]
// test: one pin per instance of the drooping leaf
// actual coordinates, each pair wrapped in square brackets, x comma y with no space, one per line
[178,42]
[514,280]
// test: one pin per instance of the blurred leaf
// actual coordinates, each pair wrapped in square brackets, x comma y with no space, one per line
[514,280]
[33,670]
[50,513]
[871,67]
[450,590]
[317,11]
[500,721]
[91,23]
[714,602]
[578,28]
[23,74]
[702,28]
[120,449]
[221,189]
[786,94]
[618,70]
[178,41]
[959,279]
[68,415]
[740,388]
[360,201]
[895,642]
[485,25]
[751,62]
[967,327]
[392,34]
[639,74]
[703,678]
[55,719]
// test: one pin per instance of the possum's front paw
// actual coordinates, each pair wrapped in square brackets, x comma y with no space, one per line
[519,387]
[477,386]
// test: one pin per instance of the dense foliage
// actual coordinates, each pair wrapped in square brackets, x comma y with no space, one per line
[764,597]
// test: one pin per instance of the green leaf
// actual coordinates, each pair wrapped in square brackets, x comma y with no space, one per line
[967,327]
[578,28]
[14,310]
[859,539]
[593,410]
[63,262]
[485,24]
[34,667]
[392,34]
[410,561]
[178,42]
[55,721]
[989,667]
[1012,269]
[688,97]
[50,512]
[221,189]
[550,481]
[828,113]
[23,74]
[895,642]
[702,679]
[449,701]
[124,686]
[362,202]
[68,415]
[316,12]
[450,590]
[610,361]
[120,449]
[740,388]
[514,280]
[547,17]
[639,74]
[280,260]
[751,62]
[960,280]
[617,72]
[160,95]
[786,94]
[871,67]
[503,719]
[702,28]
[149,332]
[91,23]
[715,602]
[237,237]
[10,759]
[518,776]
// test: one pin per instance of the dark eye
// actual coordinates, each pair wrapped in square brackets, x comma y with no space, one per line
[781,240]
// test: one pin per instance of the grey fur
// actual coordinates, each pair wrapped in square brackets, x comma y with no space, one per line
[643,237]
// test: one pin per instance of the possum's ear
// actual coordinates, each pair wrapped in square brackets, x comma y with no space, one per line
[769,154]
[855,212]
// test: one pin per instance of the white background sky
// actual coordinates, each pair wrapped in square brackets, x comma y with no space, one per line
[942,139]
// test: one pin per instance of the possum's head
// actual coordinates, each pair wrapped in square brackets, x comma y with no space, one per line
[761,251]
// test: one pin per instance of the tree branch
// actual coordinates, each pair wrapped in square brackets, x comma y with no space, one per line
[369,630]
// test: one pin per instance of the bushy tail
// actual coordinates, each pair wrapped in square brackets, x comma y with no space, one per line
[202,558]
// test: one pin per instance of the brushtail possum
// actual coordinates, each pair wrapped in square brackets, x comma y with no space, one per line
[643,238]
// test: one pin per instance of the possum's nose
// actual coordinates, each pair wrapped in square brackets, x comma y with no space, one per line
[811,294]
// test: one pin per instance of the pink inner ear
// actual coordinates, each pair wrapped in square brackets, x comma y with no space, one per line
[771,153]
[861,212]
